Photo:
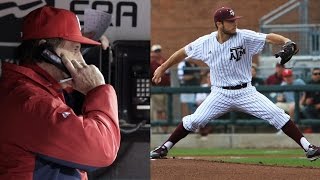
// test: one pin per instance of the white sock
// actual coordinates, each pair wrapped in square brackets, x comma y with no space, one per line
[168,144]
[305,143]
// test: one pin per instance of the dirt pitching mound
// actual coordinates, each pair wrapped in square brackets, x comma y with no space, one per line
[189,169]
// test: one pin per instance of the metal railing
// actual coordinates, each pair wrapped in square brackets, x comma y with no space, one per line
[170,91]
[307,37]
[305,34]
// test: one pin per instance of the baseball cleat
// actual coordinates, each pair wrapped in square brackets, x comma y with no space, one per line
[313,153]
[159,152]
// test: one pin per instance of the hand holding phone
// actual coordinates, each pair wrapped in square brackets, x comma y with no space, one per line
[84,77]
[52,58]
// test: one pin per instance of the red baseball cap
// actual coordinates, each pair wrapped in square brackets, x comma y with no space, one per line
[225,14]
[50,22]
[287,73]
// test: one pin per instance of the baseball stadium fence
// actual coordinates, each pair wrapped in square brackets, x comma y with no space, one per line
[233,120]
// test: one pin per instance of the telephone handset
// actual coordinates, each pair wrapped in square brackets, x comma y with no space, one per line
[51,57]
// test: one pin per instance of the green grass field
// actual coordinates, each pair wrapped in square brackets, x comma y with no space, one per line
[279,157]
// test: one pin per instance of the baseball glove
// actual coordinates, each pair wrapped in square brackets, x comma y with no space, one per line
[287,51]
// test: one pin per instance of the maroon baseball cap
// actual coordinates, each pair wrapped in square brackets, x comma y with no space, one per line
[50,22]
[225,14]
[287,73]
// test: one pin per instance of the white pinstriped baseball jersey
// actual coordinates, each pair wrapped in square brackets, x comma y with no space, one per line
[230,62]
[230,65]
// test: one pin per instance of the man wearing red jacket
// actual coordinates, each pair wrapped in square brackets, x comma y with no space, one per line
[40,136]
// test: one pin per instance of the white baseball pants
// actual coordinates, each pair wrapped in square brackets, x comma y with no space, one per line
[248,100]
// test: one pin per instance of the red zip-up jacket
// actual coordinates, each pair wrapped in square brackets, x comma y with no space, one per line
[42,138]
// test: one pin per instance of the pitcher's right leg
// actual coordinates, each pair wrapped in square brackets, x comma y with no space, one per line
[161,151]
[212,107]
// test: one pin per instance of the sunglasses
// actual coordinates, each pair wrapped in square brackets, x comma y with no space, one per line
[316,74]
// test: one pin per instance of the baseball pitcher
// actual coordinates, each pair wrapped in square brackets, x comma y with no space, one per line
[228,52]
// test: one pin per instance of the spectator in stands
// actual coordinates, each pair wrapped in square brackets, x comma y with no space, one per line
[311,100]
[189,75]
[200,97]
[276,78]
[285,100]
[255,81]
[205,82]
[158,101]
